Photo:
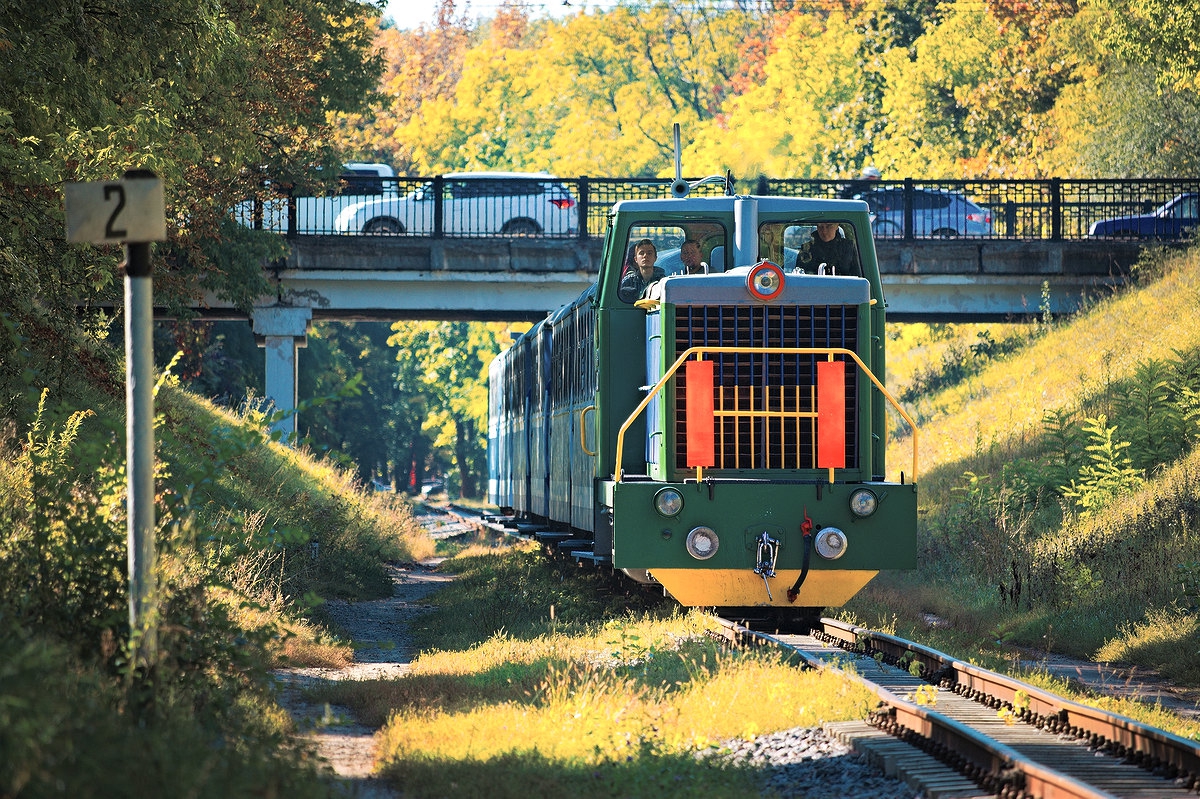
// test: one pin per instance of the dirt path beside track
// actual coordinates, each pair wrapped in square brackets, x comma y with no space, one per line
[383,650]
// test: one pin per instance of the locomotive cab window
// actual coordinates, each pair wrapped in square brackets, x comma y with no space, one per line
[823,246]
[654,250]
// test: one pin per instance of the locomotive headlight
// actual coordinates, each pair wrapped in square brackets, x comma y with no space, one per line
[765,281]
[863,502]
[830,543]
[668,502]
[702,543]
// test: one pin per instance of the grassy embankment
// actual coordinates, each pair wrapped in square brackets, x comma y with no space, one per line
[236,518]
[1041,529]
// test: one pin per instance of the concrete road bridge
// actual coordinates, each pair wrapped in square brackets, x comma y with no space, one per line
[517,278]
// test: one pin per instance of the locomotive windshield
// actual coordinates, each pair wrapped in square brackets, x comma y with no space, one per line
[805,245]
[654,250]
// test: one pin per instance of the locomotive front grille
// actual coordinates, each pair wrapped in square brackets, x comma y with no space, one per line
[765,403]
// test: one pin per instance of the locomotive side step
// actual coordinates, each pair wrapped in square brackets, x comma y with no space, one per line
[573,544]
[550,538]
[587,554]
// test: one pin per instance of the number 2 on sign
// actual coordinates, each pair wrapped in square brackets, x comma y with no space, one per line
[119,190]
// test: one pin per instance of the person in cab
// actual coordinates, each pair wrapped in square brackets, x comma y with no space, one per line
[645,271]
[829,245]
[690,255]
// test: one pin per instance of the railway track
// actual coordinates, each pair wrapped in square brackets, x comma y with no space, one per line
[957,730]
[1007,737]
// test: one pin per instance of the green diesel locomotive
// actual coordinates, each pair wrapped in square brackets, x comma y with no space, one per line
[715,424]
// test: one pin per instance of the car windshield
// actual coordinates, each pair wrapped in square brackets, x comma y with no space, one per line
[1187,207]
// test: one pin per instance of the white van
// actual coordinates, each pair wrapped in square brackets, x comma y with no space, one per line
[358,182]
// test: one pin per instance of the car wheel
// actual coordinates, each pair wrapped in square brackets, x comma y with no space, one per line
[521,227]
[945,233]
[383,227]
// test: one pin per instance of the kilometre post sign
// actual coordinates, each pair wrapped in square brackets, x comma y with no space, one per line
[130,212]
[112,212]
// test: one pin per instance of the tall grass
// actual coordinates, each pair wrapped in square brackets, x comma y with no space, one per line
[237,519]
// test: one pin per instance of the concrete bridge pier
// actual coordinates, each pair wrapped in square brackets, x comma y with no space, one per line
[281,330]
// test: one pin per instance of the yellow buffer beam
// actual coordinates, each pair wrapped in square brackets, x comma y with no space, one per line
[743,588]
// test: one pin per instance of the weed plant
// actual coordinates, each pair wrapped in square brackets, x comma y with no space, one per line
[237,520]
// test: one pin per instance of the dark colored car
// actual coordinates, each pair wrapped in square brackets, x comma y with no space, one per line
[936,213]
[1175,219]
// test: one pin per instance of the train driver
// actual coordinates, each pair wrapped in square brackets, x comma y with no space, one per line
[829,245]
[644,273]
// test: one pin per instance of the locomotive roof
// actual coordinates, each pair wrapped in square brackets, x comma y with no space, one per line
[725,204]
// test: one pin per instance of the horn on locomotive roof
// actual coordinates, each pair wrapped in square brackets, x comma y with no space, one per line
[679,186]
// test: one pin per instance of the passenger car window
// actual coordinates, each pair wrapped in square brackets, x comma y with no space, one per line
[465,189]
[924,200]
[360,182]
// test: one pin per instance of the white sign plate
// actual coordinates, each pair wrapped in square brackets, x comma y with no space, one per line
[116,211]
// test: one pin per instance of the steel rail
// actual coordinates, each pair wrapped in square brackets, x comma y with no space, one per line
[993,764]
[1128,737]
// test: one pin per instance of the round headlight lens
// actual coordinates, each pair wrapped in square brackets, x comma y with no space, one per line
[702,543]
[668,501]
[863,502]
[830,543]
[765,281]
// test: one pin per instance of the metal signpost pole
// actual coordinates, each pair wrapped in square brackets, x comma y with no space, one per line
[131,211]
[139,447]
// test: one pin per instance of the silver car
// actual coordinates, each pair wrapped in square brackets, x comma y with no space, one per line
[936,214]
[316,215]
[483,203]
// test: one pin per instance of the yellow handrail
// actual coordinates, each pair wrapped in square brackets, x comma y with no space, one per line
[583,431]
[830,351]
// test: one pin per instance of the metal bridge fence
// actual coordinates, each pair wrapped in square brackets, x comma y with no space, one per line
[1052,209]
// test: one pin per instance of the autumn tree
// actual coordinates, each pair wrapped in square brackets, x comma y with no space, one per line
[783,125]
[421,66]
[449,361]
[352,404]
[1138,113]
[1160,33]
[212,97]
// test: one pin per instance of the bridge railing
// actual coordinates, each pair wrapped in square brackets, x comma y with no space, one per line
[1052,209]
